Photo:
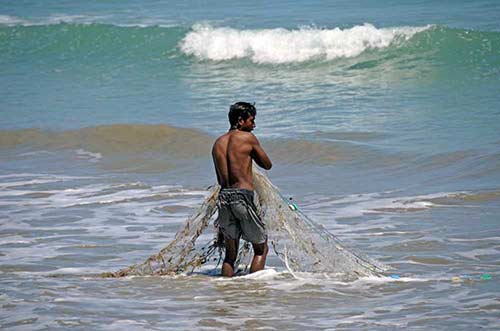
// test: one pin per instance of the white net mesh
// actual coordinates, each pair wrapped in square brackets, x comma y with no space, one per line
[301,244]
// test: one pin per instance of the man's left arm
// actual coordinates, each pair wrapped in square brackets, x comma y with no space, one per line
[259,155]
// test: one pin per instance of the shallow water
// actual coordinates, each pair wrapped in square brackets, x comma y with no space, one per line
[381,118]
[60,232]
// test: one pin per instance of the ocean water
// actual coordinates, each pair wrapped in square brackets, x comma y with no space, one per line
[382,119]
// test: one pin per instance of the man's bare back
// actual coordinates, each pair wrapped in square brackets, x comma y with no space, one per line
[233,153]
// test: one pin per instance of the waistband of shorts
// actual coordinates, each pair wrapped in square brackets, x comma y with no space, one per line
[236,190]
[234,193]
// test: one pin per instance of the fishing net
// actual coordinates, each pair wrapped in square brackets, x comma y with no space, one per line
[301,244]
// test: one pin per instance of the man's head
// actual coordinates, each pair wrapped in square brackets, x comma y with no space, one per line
[242,115]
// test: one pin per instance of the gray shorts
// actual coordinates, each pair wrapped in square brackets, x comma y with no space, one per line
[238,216]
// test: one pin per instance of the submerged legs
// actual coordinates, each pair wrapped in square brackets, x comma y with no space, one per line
[258,261]
[259,257]
[230,258]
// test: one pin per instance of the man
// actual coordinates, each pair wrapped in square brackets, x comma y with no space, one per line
[233,153]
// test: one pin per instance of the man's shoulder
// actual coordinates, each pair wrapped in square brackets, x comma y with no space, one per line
[244,135]
[220,142]
[243,138]
[221,138]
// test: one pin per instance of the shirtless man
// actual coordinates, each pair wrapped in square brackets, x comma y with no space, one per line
[233,153]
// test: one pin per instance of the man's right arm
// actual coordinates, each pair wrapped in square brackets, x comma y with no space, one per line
[259,155]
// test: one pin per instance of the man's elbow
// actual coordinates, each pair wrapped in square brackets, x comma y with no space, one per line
[267,165]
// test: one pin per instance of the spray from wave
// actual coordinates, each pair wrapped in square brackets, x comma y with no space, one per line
[284,46]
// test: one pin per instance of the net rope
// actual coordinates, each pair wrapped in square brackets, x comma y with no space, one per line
[300,243]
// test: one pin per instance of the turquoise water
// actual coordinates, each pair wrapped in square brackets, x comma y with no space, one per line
[382,119]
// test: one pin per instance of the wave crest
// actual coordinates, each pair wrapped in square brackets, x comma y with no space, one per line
[277,46]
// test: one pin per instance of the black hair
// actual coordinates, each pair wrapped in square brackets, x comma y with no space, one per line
[241,110]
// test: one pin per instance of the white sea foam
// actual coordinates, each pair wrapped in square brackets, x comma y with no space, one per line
[474,239]
[37,153]
[21,175]
[386,279]
[267,274]
[57,19]
[476,254]
[28,182]
[63,177]
[95,195]
[85,19]
[63,18]
[356,205]
[81,197]
[280,280]
[287,46]
[12,20]
[91,157]
[72,271]
[53,19]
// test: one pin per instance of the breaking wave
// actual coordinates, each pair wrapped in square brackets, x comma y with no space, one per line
[82,37]
[284,46]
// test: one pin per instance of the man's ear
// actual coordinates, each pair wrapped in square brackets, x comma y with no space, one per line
[240,121]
